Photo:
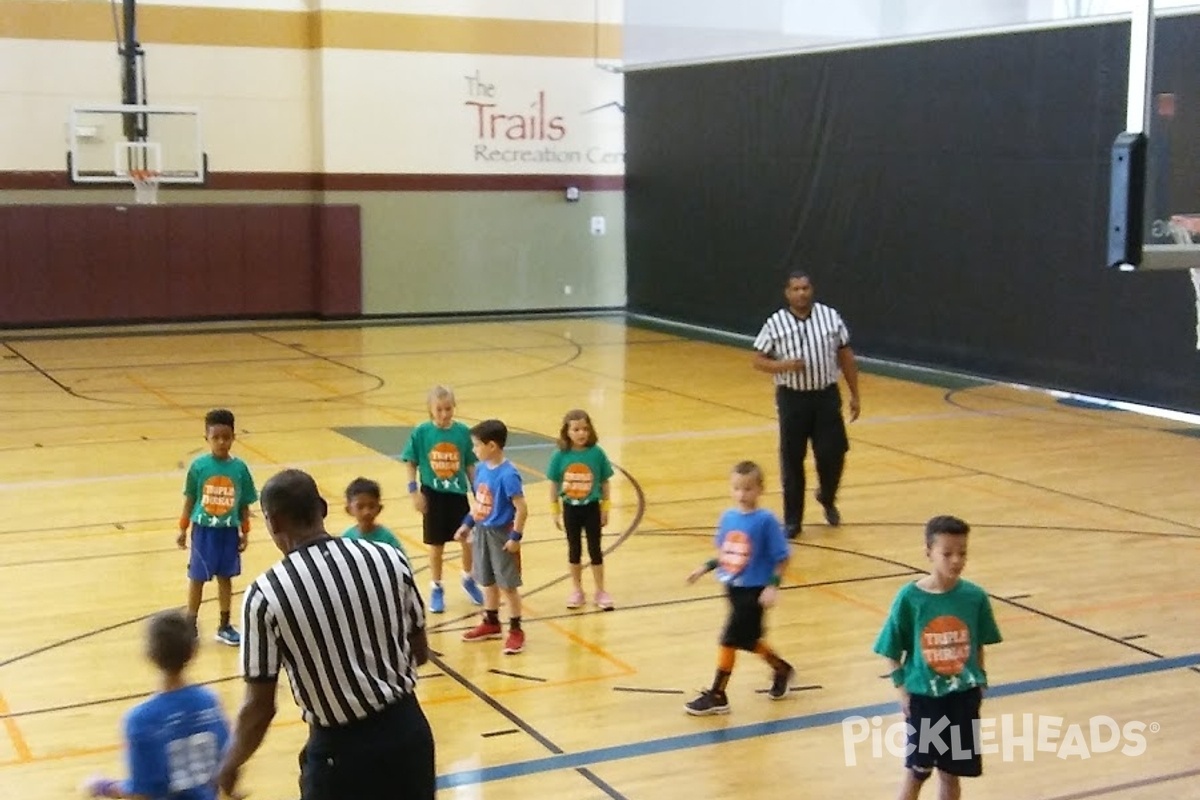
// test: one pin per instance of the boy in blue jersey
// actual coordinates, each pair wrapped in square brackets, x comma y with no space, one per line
[752,554]
[175,740]
[217,495]
[495,523]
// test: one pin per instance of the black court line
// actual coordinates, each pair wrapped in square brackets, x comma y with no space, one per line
[64,387]
[68,559]
[492,734]
[517,675]
[532,732]
[106,700]
[1132,637]
[806,688]
[141,330]
[1124,787]
[677,601]
[638,690]
[901,451]
[304,354]
[1024,607]
[96,632]
[379,380]
[1018,597]
[447,625]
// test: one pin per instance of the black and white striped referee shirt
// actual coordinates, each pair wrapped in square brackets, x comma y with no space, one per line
[815,340]
[337,615]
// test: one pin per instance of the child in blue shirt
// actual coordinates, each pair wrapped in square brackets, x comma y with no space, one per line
[495,523]
[175,740]
[752,554]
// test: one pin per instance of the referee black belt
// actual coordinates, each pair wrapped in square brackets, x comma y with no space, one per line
[822,390]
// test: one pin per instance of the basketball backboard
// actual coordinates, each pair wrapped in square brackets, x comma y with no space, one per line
[108,143]
[1154,205]
[1155,198]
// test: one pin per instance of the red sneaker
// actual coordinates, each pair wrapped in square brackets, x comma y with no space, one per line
[515,642]
[482,631]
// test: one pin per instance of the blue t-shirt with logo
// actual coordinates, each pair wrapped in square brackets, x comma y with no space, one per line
[176,740]
[750,544]
[495,487]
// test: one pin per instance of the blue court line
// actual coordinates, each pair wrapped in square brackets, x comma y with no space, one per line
[738,733]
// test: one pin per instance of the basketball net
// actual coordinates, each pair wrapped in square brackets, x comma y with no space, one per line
[145,185]
[1185,229]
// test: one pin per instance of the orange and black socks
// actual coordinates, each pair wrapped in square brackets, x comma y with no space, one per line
[770,656]
[726,656]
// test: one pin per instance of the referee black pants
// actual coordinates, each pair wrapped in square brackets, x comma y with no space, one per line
[804,416]
[387,756]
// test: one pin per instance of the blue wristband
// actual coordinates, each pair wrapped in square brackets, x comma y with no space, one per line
[469,521]
[412,486]
[515,536]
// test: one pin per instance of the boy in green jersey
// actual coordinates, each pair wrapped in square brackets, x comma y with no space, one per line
[933,640]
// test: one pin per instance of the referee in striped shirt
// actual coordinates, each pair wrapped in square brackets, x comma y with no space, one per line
[344,619]
[806,346]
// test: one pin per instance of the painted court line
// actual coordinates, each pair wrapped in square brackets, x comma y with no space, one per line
[720,433]
[706,738]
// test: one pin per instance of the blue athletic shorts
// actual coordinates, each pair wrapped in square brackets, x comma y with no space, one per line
[214,553]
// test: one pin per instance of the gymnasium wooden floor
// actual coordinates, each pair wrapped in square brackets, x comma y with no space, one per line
[1087,535]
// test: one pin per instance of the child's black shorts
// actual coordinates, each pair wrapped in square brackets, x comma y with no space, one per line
[444,512]
[744,628]
[961,711]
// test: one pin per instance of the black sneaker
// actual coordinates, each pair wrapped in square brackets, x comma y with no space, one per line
[779,684]
[831,513]
[707,703]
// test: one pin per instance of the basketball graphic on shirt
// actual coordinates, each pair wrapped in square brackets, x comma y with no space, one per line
[218,496]
[946,645]
[483,502]
[735,552]
[444,460]
[577,482]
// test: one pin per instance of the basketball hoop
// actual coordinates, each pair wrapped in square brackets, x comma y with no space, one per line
[145,185]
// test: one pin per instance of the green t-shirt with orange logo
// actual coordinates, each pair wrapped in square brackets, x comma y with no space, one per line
[442,456]
[580,474]
[221,488]
[937,636]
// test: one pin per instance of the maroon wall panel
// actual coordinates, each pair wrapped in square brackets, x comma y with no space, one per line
[340,262]
[225,290]
[149,293]
[102,263]
[187,238]
[26,296]
[106,234]
[262,262]
[297,258]
[69,265]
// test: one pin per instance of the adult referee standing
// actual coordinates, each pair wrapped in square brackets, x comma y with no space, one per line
[806,346]
[344,619]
